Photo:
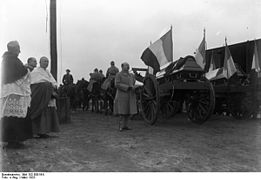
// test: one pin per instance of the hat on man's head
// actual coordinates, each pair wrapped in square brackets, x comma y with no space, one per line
[68,70]
[13,46]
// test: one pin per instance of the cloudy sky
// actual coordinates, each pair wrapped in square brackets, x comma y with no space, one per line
[91,33]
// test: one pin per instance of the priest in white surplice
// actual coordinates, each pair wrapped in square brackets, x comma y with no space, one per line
[43,106]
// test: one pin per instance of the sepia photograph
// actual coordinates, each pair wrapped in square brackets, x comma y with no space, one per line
[94,86]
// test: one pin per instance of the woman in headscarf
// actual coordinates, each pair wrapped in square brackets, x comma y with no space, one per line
[125,99]
[15,98]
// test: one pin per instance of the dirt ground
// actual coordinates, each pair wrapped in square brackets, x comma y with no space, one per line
[92,142]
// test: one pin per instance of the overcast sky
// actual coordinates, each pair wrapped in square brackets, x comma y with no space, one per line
[91,33]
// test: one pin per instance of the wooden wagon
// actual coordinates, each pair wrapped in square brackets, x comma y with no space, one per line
[238,95]
[181,84]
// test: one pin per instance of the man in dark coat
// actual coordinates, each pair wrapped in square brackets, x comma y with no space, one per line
[67,78]
[112,71]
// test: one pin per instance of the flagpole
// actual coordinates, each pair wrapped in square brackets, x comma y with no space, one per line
[204,37]
[205,44]
[172,43]
[225,65]
[53,38]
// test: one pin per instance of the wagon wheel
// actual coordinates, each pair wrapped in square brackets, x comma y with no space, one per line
[241,106]
[149,99]
[170,108]
[200,104]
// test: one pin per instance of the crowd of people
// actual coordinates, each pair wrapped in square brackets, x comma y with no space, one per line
[28,96]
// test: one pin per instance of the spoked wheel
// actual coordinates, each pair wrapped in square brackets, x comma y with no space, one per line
[149,99]
[200,104]
[241,106]
[170,108]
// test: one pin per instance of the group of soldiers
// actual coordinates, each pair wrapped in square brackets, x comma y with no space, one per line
[98,87]
[96,76]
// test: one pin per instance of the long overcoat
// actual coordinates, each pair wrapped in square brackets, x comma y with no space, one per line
[125,99]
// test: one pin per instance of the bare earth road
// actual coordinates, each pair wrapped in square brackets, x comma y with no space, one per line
[92,142]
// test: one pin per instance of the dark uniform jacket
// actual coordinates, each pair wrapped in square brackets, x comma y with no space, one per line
[67,79]
[112,71]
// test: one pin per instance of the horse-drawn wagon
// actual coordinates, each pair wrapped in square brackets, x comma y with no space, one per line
[181,82]
[237,95]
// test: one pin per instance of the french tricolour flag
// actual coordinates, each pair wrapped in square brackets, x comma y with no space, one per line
[229,65]
[159,53]
[200,56]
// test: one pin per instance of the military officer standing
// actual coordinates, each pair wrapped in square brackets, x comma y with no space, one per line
[125,99]
[67,78]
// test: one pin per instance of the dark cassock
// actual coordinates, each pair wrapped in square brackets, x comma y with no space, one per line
[43,105]
[15,100]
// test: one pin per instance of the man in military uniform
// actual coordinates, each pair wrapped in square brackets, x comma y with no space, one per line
[67,78]
[112,71]
[110,76]
[94,77]
[101,73]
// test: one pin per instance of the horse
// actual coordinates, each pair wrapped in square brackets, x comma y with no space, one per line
[82,94]
[69,91]
[108,92]
[94,88]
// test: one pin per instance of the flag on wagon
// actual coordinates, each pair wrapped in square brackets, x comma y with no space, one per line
[214,72]
[229,66]
[201,52]
[159,53]
[255,61]
[212,65]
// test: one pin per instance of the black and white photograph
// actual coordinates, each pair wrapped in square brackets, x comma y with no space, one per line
[133,86]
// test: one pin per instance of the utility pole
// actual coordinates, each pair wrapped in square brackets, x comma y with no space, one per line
[53,38]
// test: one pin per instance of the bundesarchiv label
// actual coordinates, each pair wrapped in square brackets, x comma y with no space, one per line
[31,175]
